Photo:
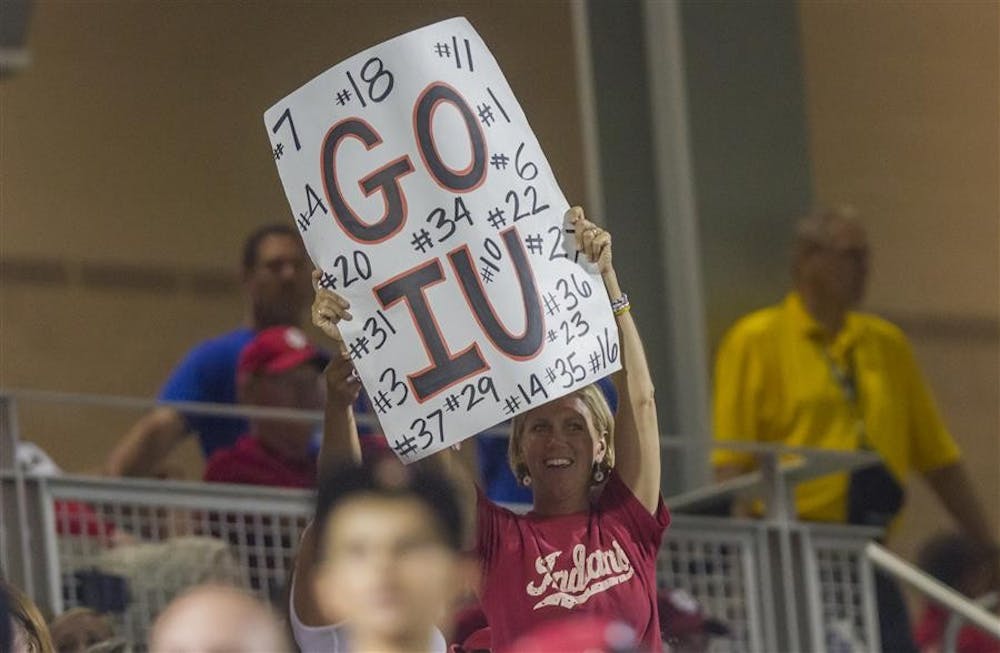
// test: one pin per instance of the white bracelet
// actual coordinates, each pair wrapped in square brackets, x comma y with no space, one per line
[621,305]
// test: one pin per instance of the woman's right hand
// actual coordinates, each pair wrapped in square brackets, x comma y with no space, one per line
[329,309]
[342,382]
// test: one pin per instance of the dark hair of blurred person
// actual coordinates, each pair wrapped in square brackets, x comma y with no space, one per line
[251,244]
[959,562]
[29,633]
[387,564]
[967,567]
[217,619]
[276,273]
[389,480]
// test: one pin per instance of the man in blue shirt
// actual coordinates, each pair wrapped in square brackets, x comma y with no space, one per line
[276,278]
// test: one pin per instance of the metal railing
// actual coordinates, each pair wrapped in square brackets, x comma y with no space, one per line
[953,629]
[781,584]
[960,606]
[129,546]
[154,538]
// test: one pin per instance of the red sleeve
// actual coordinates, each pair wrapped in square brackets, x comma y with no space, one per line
[648,527]
[224,467]
[491,522]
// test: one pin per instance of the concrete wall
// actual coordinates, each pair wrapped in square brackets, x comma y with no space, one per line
[134,161]
[902,101]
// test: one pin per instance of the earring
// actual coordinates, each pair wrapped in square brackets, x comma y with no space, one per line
[526,480]
[598,474]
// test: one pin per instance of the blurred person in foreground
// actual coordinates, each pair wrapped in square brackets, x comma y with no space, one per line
[589,546]
[814,372]
[24,625]
[967,568]
[380,566]
[275,275]
[217,619]
[279,368]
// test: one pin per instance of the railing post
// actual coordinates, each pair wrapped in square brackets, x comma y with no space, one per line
[15,534]
[776,491]
[781,516]
[933,588]
[949,641]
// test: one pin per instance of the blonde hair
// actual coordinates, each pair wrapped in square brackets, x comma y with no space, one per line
[27,621]
[600,413]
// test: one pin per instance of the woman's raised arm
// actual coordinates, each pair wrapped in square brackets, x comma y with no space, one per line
[637,431]
[340,437]
[340,440]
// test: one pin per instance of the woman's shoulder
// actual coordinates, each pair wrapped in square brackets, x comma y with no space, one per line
[618,501]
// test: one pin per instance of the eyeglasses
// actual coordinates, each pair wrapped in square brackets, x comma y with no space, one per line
[276,266]
[857,254]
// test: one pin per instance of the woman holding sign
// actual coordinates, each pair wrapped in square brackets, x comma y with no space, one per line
[589,545]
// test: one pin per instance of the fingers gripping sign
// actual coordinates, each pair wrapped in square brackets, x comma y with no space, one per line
[328,308]
[448,268]
[591,240]
[342,382]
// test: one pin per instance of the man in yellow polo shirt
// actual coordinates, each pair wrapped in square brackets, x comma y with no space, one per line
[811,372]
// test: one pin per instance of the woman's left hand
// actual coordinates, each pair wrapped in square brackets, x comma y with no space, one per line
[594,242]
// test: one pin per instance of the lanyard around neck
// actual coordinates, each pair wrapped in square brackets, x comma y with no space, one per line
[846,379]
[844,376]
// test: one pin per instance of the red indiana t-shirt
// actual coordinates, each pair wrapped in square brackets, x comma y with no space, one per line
[248,462]
[601,562]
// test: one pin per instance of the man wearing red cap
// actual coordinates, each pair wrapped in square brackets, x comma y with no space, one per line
[279,368]
[684,626]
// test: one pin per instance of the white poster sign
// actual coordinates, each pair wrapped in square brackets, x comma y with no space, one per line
[423,195]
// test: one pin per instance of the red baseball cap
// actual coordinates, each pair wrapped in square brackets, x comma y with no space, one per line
[276,350]
[682,615]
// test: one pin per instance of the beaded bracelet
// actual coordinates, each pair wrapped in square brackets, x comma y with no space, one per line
[621,305]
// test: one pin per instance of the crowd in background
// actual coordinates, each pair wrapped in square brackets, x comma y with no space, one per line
[386,562]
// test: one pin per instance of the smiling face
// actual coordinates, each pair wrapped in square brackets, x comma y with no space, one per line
[557,444]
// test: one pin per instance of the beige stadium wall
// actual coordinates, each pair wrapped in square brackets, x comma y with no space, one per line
[133,160]
[903,109]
